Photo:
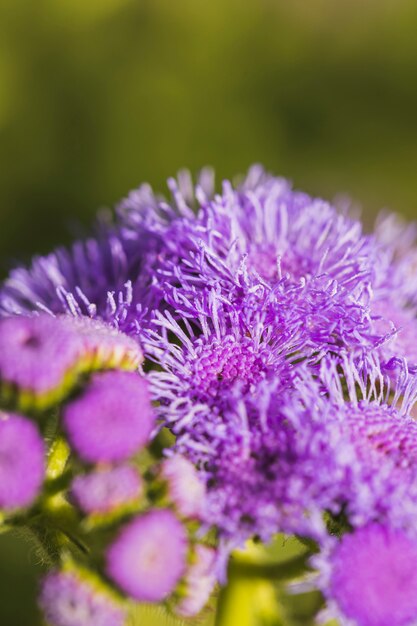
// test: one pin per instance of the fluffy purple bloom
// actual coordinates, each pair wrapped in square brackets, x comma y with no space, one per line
[42,356]
[111,276]
[267,465]
[112,418]
[216,347]
[397,260]
[148,557]
[200,581]
[37,354]
[22,463]
[374,447]
[69,599]
[370,577]
[106,490]
[77,280]
[104,346]
[228,294]
[261,229]
[284,232]
[184,487]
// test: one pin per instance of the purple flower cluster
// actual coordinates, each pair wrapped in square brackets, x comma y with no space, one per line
[280,350]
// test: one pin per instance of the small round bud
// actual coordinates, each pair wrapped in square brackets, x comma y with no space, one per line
[38,357]
[372,577]
[69,599]
[185,489]
[104,346]
[106,490]
[199,583]
[22,461]
[112,419]
[148,558]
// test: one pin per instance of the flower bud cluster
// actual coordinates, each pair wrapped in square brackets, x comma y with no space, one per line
[76,464]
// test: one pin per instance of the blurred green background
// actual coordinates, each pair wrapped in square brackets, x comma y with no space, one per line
[99,95]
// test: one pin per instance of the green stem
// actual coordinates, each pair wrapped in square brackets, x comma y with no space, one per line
[236,604]
[285,570]
[47,542]
[250,599]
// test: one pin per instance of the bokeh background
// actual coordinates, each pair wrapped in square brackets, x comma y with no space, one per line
[99,95]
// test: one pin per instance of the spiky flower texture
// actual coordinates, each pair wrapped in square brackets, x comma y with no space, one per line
[273,339]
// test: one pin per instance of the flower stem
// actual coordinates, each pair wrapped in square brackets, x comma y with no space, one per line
[250,598]
[284,570]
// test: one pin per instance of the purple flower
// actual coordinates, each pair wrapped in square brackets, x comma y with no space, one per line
[399,325]
[38,355]
[373,450]
[112,418]
[185,489]
[215,347]
[112,275]
[266,465]
[370,577]
[148,557]
[200,581]
[22,463]
[285,232]
[42,356]
[397,260]
[108,489]
[104,346]
[74,280]
[69,599]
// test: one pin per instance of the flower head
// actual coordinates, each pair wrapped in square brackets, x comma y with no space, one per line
[185,488]
[285,232]
[112,418]
[37,356]
[106,490]
[148,557]
[111,276]
[370,577]
[104,347]
[22,462]
[69,599]
[373,446]
[199,582]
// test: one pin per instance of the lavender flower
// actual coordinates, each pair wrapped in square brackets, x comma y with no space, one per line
[397,260]
[106,490]
[370,577]
[217,346]
[69,598]
[112,419]
[284,340]
[38,355]
[104,347]
[185,489]
[42,356]
[281,232]
[200,581]
[76,280]
[375,424]
[148,557]
[111,276]
[22,464]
